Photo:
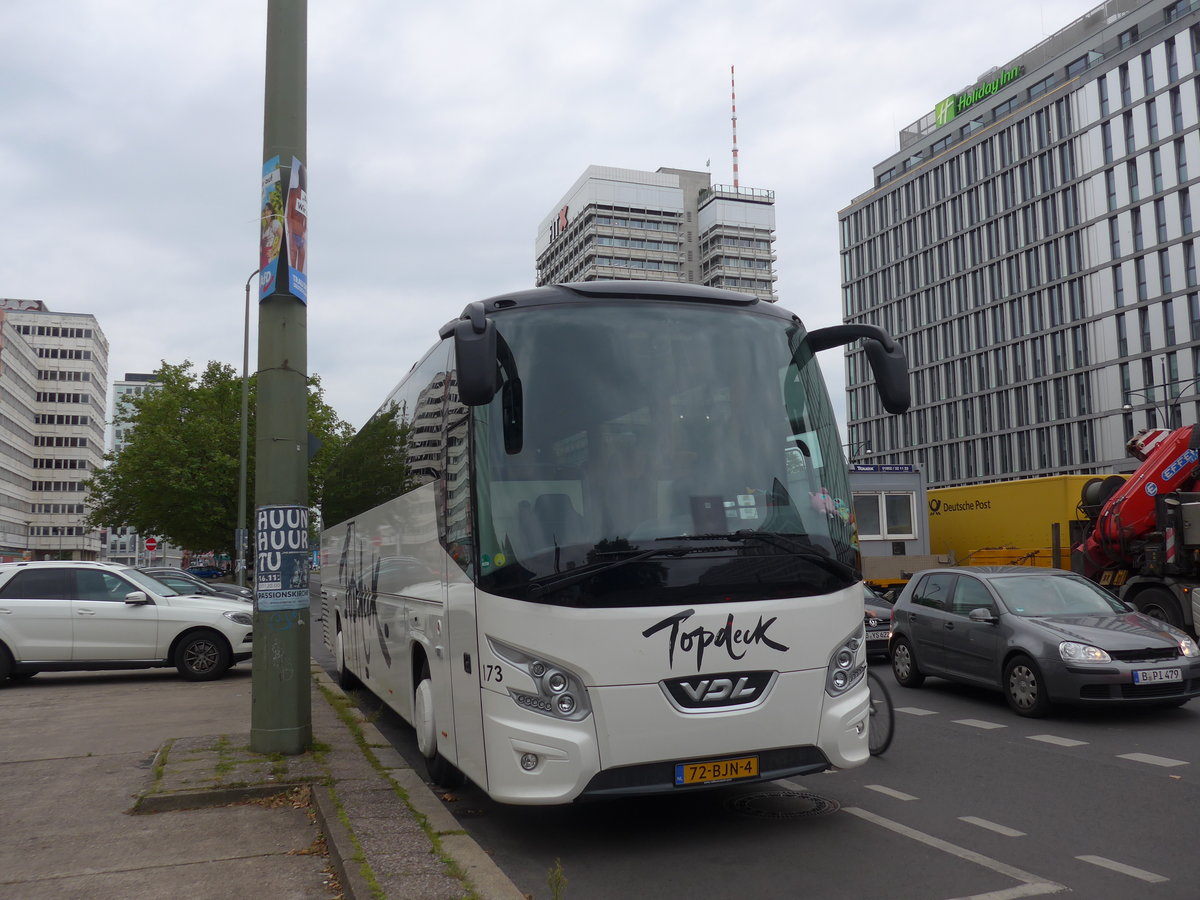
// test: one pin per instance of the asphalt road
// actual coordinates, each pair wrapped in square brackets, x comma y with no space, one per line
[971,801]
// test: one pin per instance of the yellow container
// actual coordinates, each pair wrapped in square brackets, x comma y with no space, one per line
[1008,522]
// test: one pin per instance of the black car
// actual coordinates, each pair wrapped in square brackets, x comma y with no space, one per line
[1041,636]
[877,616]
[185,582]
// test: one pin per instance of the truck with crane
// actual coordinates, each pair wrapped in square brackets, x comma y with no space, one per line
[1143,533]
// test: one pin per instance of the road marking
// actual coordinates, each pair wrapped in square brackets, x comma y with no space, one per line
[1031,885]
[978,723]
[1131,871]
[898,795]
[992,826]
[1164,761]
[791,785]
[916,711]
[1056,740]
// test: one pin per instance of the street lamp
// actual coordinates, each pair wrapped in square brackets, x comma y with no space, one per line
[853,449]
[243,528]
[1170,403]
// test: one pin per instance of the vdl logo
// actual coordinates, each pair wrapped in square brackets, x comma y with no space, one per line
[720,691]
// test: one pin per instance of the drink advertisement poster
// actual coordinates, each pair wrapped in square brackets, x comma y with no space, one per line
[296,225]
[272,228]
[281,558]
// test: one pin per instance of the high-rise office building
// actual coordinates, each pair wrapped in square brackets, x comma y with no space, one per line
[123,544]
[53,383]
[668,225]
[1032,245]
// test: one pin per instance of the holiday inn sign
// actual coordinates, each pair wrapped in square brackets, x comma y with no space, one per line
[957,103]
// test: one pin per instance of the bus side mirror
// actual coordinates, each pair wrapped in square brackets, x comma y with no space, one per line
[475,356]
[888,362]
[890,368]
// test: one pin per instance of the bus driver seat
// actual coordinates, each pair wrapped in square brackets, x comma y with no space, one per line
[559,522]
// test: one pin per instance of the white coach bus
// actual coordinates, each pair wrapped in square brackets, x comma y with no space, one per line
[623,558]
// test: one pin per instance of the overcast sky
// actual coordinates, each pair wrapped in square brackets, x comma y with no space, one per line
[439,136]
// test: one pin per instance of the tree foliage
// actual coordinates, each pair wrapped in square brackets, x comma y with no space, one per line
[178,474]
[370,469]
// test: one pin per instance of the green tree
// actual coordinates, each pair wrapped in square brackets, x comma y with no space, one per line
[177,477]
[370,469]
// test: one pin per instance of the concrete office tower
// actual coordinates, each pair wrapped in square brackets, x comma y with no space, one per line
[123,544]
[669,225]
[1031,244]
[53,384]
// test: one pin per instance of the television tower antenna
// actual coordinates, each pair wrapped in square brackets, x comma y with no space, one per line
[733,100]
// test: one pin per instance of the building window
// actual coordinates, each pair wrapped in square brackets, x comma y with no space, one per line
[1185,211]
[886,516]
[1132,174]
[1102,89]
[1123,75]
[1152,119]
[1135,221]
[1164,270]
[1148,72]
[1168,313]
[1160,220]
[1127,38]
[1181,167]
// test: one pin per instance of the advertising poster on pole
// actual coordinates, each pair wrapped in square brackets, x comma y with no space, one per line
[272,228]
[296,223]
[281,558]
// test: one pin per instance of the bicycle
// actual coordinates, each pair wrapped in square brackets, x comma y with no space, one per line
[882,719]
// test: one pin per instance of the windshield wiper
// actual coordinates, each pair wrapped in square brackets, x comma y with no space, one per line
[786,542]
[546,583]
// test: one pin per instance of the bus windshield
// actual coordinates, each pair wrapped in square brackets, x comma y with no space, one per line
[651,453]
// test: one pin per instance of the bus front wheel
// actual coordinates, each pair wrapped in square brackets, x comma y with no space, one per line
[441,771]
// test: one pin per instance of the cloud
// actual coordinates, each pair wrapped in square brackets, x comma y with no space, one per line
[438,138]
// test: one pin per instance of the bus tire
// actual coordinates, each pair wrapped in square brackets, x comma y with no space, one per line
[1159,604]
[345,678]
[441,771]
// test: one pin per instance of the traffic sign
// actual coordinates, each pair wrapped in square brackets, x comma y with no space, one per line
[151,543]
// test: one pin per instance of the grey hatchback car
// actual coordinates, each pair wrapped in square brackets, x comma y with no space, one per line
[1040,636]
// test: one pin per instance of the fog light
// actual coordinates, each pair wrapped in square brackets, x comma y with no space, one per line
[840,679]
[529,761]
[566,704]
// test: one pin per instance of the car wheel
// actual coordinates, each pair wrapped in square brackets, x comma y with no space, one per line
[345,678]
[904,665]
[6,664]
[1024,689]
[1159,604]
[441,771]
[202,656]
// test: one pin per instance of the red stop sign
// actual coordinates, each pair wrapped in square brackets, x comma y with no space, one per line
[151,543]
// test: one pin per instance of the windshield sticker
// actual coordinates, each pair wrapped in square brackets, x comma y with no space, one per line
[823,502]
[700,638]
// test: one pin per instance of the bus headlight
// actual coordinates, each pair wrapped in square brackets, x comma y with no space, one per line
[555,690]
[847,664]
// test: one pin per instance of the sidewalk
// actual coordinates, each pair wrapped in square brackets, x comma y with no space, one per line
[128,785]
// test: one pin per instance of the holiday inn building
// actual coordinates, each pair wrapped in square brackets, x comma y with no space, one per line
[1033,248]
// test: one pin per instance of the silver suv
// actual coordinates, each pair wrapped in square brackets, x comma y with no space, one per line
[69,616]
